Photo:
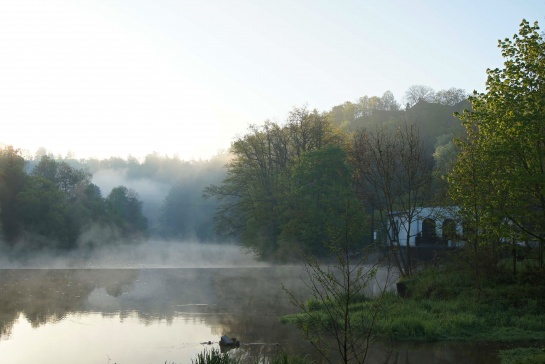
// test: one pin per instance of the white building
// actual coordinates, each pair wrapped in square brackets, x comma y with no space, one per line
[429,226]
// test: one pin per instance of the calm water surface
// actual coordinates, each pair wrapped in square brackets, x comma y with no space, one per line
[166,315]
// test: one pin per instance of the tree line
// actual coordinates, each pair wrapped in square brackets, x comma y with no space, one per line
[288,188]
[56,206]
[292,187]
[175,208]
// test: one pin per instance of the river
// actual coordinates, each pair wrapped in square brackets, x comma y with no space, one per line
[168,315]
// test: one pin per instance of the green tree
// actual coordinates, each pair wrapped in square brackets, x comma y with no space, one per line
[75,189]
[322,192]
[92,201]
[62,175]
[253,195]
[451,97]
[255,183]
[86,211]
[125,209]
[472,192]
[508,128]
[389,102]
[12,181]
[344,114]
[42,210]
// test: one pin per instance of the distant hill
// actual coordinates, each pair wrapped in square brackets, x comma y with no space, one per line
[434,120]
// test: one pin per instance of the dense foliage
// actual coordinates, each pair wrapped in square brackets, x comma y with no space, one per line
[499,177]
[305,166]
[287,185]
[57,207]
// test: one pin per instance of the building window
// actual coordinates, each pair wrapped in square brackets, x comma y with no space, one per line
[428,231]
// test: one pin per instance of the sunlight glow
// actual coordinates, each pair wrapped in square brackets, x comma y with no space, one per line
[178,340]
[101,78]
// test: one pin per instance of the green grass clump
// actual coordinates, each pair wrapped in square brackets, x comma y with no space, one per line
[284,358]
[522,356]
[214,356]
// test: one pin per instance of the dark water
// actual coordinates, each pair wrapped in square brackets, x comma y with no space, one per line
[165,315]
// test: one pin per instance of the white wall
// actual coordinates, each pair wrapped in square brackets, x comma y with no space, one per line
[437,214]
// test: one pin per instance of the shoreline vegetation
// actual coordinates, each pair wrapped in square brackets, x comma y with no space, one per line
[442,304]
[492,175]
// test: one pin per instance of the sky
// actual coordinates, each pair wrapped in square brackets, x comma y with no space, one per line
[99,78]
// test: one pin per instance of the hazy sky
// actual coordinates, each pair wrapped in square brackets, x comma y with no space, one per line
[130,77]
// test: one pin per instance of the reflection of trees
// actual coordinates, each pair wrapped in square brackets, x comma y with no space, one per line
[45,296]
[244,302]
[254,301]
[240,302]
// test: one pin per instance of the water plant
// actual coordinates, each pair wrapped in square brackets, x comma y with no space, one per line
[284,358]
[214,356]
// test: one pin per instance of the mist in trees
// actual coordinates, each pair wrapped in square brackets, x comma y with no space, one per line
[58,204]
[55,204]
[288,183]
[277,191]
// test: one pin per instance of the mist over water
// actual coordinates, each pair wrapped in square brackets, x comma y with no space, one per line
[97,246]
[149,254]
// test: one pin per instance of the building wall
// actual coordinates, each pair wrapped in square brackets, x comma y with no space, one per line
[436,215]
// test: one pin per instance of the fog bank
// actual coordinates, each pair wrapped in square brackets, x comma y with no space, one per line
[149,254]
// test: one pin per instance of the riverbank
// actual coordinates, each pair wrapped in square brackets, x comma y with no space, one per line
[443,305]
[440,304]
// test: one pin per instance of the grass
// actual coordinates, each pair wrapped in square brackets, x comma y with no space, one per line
[444,306]
[214,356]
[522,356]
[289,359]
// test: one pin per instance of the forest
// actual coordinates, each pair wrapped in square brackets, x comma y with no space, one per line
[63,203]
[286,189]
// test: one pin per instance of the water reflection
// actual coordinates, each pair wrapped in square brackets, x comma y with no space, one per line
[241,302]
[158,315]
[45,296]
